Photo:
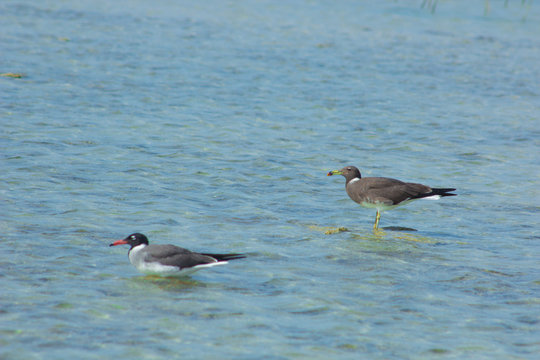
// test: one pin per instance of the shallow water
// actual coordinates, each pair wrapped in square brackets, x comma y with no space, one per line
[212,126]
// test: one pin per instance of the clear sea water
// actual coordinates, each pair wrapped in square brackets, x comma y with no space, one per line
[211,125]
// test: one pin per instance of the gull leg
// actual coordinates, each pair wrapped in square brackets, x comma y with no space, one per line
[377,218]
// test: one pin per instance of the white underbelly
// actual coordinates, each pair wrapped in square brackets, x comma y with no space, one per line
[164,270]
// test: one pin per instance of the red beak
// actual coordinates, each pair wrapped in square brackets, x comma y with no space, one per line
[119,242]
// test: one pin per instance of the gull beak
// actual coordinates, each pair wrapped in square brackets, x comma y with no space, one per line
[119,242]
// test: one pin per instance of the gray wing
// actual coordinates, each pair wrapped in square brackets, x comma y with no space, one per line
[385,190]
[176,256]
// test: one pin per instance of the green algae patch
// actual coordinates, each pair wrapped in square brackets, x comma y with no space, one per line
[12,75]
[336,230]
[64,306]
[438,351]
[328,230]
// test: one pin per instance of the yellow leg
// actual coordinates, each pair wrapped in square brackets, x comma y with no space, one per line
[377,218]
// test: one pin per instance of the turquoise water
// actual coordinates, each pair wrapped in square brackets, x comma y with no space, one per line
[212,125]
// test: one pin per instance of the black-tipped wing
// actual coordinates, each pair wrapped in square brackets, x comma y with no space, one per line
[436,191]
[226,257]
[172,255]
[390,191]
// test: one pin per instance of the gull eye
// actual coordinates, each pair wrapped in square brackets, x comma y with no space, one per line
[132,237]
[349,169]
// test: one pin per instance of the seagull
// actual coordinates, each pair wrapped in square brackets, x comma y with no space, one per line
[384,193]
[169,260]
